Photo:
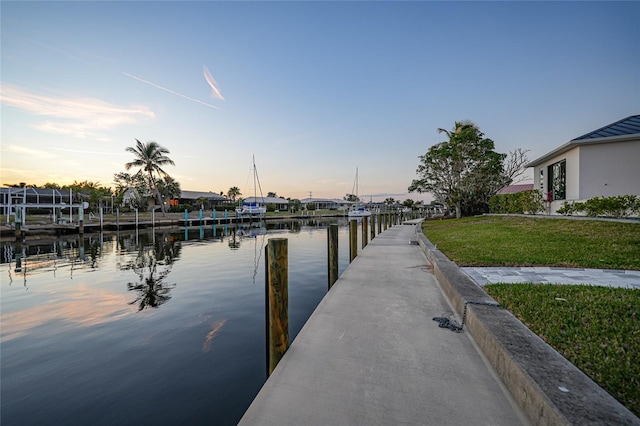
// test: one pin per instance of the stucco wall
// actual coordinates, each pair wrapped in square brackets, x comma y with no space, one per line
[609,169]
[572,157]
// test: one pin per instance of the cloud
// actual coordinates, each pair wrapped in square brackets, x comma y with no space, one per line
[79,117]
[212,83]
[30,152]
[173,92]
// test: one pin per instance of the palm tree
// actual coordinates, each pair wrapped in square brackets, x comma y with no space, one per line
[458,127]
[150,157]
[233,192]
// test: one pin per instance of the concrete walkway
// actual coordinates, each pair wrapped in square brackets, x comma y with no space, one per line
[371,354]
[599,277]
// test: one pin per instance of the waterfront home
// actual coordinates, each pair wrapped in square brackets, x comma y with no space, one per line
[325,204]
[279,202]
[601,163]
[201,199]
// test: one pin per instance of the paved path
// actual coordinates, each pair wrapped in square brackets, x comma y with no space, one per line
[551,275]
[371,354]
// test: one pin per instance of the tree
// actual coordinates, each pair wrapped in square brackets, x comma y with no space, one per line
[294,204]
[351,197]
[169,187]
[463,172]
[390,201]
[150,157]
[272,195]
[92,192]
[409,203]
[233,192]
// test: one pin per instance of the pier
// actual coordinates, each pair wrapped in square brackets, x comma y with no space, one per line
[372,354]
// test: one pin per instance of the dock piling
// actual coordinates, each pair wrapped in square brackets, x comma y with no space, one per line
[353,239]
[332,247]
[277,300]
[365,231]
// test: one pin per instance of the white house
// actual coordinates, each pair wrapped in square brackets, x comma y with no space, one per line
[602,163]
[280,203]
[325,204]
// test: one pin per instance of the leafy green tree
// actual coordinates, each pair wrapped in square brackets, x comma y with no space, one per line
[272,195]
[351,197]
[150,157]
[294,204]
[409,203]
[91,192]
[463,172]
[126,181]
[390,201]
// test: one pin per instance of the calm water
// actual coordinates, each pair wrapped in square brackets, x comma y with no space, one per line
[159,327]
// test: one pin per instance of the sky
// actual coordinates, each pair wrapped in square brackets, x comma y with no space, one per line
[312,90]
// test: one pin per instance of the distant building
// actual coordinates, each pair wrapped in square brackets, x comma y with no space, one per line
[280,203]
[602,163]
[197,199]
[325,204]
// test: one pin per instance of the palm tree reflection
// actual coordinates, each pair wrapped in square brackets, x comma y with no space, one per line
[152,265]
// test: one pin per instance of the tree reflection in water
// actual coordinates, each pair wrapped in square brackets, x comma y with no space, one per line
[152,265]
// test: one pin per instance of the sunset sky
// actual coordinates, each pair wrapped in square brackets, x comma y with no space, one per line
[312,89]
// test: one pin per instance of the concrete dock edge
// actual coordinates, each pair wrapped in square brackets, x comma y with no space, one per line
[548,388]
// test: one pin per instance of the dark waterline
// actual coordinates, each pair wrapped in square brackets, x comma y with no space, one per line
[157,327]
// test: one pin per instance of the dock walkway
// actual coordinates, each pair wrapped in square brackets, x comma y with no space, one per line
[371,354]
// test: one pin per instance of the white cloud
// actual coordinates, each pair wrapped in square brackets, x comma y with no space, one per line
[212,83]
[80,117]
[32,153]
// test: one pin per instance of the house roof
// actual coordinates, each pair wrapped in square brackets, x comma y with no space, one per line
[511,189]
[194,195]
[626,126]
[266,200]
[620,131]
[321,200]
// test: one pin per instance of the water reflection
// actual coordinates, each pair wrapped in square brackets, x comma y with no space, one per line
[152,265]
[74,343]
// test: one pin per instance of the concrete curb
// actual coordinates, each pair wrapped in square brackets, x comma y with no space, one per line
[548,388]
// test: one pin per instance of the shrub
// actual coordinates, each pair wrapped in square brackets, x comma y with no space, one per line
[181,208]
[517,203]
[616,206]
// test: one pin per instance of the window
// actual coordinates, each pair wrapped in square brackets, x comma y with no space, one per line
[557,180]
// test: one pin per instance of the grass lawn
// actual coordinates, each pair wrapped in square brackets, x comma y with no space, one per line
[522,241]
[596,328]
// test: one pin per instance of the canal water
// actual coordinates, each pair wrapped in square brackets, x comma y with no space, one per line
[158,327]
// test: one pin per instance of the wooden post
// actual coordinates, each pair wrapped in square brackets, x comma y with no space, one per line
[118,219]
[17,222]
[353,239]
[332,247]
[373,226]
[81,220]
[379,224]
[365,231]
[101,219]
[277,300]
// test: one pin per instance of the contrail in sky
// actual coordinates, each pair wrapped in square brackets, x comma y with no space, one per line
[170,91]
[212,83]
